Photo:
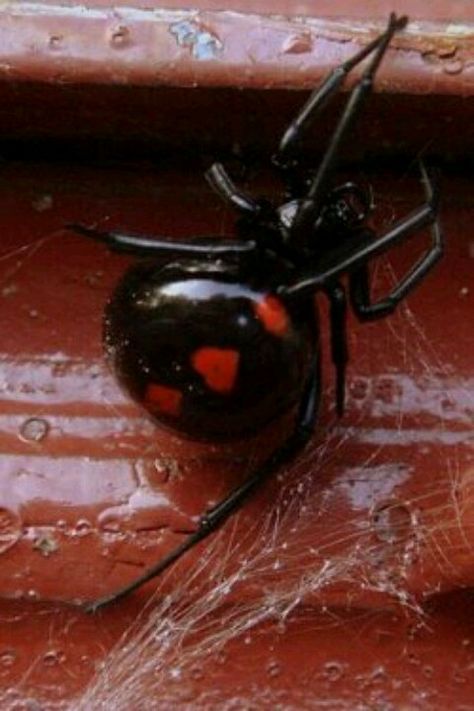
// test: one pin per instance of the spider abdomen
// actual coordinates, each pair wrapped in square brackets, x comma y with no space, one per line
[206,352]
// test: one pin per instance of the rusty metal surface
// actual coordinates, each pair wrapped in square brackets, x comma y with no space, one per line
[258,45]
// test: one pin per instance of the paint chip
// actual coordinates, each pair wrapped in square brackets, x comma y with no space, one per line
[203,44]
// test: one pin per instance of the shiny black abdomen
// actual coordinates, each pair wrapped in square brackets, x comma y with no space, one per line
[207,351]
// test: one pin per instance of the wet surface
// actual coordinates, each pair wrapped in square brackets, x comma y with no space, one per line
[355,541]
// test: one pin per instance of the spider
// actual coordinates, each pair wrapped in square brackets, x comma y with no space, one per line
[218,337]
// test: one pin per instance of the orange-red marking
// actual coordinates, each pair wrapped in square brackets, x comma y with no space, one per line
[273,315]
[164,398]
[218,367]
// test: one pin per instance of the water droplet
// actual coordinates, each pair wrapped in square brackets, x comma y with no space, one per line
[32,594]
[333,671]
[43,202]
[45,543]
[34,429]
[10,529]
[7,658]
[83,527]
[119,37]
[197,673]
[9,290]
[53,657]
[109,520]
[273,668]
[392,521]
[55,43]
[454,67]
[387,390]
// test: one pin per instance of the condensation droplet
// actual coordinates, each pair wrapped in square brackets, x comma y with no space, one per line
[109,520]
[10,529]
[34,429]
[197,673]
[359,389]
[454,67]
[7,658]
[83,527]
[333,671]
[119,36]
[392,521]
[53,657]
[55,43]
[45,543]
[43,202]
[273,668]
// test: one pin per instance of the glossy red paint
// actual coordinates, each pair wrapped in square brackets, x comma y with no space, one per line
[373,575]
[93,491]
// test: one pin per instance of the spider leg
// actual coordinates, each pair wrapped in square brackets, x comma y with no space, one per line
[327,89]
[359,279]
[312,203]
[354,254]
[214,517]
[147,246]
[220,181]
[338,316]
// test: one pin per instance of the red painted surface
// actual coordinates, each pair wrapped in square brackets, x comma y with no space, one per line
[347,581]
[374,521]
[249,44]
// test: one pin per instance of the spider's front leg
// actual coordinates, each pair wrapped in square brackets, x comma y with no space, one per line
[353,255]
[362,304]
[143,246]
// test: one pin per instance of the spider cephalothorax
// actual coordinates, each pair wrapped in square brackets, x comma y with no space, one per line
[217,337]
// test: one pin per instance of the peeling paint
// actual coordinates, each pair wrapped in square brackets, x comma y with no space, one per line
[204,45]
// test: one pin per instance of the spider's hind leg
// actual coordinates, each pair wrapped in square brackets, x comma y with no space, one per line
[212,519]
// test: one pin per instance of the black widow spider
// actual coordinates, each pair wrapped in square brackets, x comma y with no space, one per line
[218,337]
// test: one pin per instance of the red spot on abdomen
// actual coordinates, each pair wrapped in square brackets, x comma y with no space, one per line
[218,367]
[163,398]
[273,315]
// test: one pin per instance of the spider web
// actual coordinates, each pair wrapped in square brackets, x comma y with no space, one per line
[173,638]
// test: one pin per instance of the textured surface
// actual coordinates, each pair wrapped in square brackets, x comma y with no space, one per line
[346,582]
[376,515]
[262,44]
